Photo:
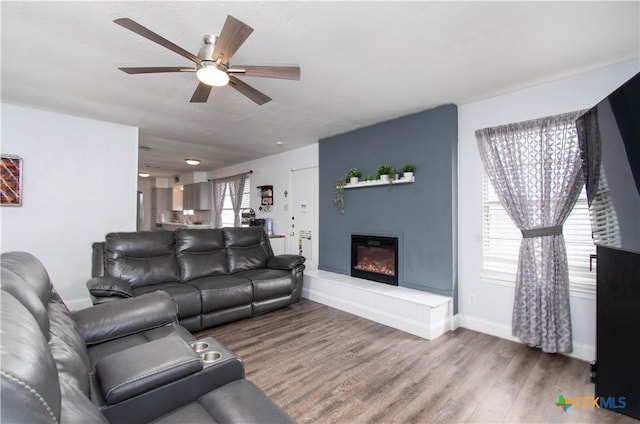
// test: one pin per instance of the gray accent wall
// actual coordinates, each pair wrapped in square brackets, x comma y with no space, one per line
[423,215]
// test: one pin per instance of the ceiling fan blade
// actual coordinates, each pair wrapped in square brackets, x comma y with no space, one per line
[147,33]
[201,95]
[248,91]
[233,34]
[280,72]
[156,70]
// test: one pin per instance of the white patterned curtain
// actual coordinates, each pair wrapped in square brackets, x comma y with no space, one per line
[236,188]
[219,188]
[535,169]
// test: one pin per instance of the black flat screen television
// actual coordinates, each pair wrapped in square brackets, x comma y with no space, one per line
[609,136]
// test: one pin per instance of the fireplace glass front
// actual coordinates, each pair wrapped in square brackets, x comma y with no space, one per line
[375,258]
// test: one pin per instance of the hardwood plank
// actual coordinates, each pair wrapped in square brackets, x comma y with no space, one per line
[322,365]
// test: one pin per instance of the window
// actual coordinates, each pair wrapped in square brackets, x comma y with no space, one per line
[501,243]
[603,215]
[227,207]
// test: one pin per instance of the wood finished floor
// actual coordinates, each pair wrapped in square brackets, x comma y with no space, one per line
[322,365]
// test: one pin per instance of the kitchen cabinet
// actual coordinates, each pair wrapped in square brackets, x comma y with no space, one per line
[197,196]
[160,204]
[175,200]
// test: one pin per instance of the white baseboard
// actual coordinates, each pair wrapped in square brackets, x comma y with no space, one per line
[420,313]
[581,351]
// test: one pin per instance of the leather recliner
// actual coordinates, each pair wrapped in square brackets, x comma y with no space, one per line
[126,361]
[214,275]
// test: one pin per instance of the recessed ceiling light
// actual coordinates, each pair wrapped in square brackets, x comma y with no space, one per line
[279,143]
[192,162]
[143,175]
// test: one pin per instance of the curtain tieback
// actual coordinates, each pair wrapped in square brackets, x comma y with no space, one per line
[541,232]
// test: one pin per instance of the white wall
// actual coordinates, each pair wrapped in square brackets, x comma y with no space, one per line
[491,311]
[79,183]
[273,170]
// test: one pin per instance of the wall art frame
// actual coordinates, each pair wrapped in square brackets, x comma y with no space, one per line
[10,180]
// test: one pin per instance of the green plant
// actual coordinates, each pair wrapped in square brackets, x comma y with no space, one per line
[384,169]
[354,173]
[338,194]
[408,168]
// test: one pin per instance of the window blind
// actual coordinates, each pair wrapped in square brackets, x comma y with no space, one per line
[501,242]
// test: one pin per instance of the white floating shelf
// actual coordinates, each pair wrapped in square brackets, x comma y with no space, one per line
[363,184]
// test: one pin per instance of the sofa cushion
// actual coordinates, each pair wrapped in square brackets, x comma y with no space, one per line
[227,404]
[26,362]
[269,283]
[134,371]
[77,407]
[190,413]
[186,297]
[141,258]
[97,352]
[31,270]
[12,283]
[201,253]
[68,348]
[247,248]
[223,291]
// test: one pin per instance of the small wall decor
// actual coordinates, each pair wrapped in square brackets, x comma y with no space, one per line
[11,181]
[266,198]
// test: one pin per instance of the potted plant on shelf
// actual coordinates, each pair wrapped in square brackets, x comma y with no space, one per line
[384,172]
[353,175]
[338,194]
[407,171]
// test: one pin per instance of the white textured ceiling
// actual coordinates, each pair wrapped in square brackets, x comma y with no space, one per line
[362,62]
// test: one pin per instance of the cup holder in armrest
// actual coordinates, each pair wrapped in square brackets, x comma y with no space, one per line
[210,357]
[200,346]
[211,351]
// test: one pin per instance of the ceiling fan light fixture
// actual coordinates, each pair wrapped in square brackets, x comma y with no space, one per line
[211,74]
[192,162]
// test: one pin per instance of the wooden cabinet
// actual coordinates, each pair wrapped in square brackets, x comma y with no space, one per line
[197,196]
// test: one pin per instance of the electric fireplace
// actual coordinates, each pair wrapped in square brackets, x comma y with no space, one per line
[375,258]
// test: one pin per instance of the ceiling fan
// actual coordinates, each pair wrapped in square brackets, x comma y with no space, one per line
[212,62]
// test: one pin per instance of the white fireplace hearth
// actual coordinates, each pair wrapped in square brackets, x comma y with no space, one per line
[423,314]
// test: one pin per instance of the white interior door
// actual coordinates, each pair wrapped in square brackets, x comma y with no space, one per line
[303,215]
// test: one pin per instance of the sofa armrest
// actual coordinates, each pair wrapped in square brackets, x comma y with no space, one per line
[287,262]
[139,369]
[151,404]
[108,321]
[109,287]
